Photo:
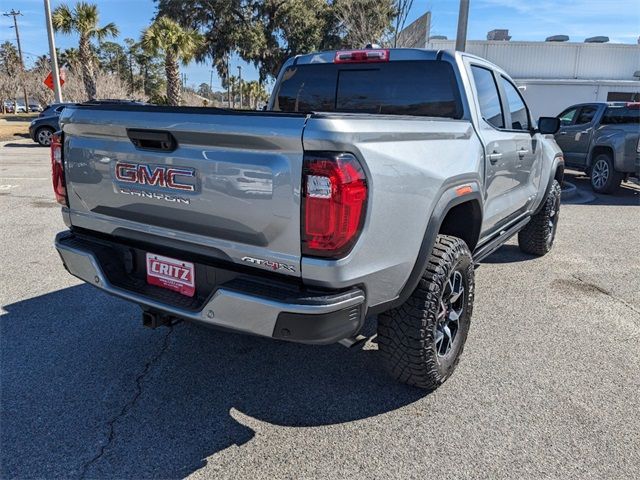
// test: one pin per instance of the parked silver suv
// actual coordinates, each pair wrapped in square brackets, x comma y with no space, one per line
[373,185]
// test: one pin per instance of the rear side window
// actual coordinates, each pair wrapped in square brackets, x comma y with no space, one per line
[519,115]
[488,96]
[618,115]
[422,88]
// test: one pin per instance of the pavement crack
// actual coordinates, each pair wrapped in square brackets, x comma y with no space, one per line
[607,293]
[111,424]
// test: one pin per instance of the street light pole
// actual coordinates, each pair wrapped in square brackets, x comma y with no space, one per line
[15,14]
[55,73]
[240,84]
[463,19]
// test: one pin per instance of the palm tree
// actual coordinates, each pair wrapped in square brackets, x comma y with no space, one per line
[83,20]
[70,58]
[233,83]
[178,45]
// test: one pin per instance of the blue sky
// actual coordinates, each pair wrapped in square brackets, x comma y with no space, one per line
[525,19]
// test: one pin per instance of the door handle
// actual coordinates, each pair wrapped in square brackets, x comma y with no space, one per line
[522,152]
[584,132]
[563,133]
[494,157]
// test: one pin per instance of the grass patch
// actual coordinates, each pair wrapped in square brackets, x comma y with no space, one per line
[14,130]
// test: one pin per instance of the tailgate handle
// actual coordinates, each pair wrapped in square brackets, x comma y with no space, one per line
[152,140]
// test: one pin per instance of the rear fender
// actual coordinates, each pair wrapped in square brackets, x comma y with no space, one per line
[450,198]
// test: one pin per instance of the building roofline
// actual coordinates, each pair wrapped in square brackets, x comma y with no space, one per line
[541,42]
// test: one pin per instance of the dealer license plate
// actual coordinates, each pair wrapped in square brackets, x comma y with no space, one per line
[171,274]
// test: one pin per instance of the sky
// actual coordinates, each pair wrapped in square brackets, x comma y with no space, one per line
[525,19]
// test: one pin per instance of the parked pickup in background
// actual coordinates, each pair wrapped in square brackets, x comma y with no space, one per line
[603,140]
[373,184]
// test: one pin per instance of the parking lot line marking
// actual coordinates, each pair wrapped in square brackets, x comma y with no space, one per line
[24,178]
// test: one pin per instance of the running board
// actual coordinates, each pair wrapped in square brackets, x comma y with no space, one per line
[488,248]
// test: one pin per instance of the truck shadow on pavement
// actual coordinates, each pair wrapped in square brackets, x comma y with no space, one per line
[87,391]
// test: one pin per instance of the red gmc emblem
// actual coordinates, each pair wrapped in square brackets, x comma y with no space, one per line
[155,175]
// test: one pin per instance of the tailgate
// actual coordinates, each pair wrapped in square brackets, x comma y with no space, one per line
[225,182]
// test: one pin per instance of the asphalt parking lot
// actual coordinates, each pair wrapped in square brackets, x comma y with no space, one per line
[548,385]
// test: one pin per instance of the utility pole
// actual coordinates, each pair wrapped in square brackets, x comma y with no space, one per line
[15,14]
[53,56]
[240,84]
[211,82]
[463,19]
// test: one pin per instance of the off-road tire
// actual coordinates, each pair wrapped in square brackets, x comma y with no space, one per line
[603,176]
[407,334]
[537,237]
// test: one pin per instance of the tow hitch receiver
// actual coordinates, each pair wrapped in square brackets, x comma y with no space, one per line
[152,319]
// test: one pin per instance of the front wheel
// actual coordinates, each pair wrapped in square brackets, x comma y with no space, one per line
[538,235]
[421,341]
[604,178]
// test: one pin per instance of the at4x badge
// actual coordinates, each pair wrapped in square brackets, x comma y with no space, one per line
[269,264]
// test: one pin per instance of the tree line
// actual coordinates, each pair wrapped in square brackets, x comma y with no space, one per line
[263,33]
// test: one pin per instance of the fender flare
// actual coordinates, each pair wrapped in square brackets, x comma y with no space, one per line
[449,199]
[558,163]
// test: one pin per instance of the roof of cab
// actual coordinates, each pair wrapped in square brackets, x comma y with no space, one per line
[395,54]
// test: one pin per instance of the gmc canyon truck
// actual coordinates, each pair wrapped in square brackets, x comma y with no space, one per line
[373,184]
[603,140]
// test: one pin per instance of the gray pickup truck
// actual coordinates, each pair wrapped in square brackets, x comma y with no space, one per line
[373,185]
[603,140]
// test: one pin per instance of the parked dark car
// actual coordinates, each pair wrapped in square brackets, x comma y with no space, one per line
[42,128]
[603,140]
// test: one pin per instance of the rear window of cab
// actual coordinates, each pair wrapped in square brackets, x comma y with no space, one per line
[619,115]
[418,87]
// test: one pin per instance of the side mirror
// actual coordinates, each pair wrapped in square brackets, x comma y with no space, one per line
[548,125]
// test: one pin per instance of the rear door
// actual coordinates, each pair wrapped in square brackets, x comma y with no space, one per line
[500,149]
[226,184]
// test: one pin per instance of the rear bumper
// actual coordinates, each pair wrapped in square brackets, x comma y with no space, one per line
[241,305]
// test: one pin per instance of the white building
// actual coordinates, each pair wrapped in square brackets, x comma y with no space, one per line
[554,75]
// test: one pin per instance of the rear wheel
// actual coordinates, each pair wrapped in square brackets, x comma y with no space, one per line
[44,136]
[538,235]
[422,340]
[604,178]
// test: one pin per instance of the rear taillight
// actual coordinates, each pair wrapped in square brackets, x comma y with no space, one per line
[362,56]
[334,198]
[57,171]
